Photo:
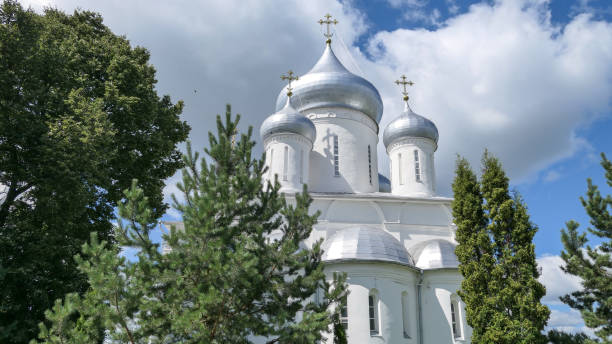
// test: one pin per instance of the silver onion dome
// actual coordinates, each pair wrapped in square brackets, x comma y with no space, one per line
[288,120]
[409,124]
[435,254]
[365,243]
[384,184]
[330,84]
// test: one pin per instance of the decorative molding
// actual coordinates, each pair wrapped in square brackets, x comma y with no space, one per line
[284,137]
[326,115]
[415,141]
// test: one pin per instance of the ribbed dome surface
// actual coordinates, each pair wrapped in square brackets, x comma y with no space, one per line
[330,84]
[435,254]
[365,243]
[288,120]
[410,124]
[384,184]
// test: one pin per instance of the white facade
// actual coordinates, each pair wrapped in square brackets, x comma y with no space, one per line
[288,158]
[397,248]
[412,167]
[343,157]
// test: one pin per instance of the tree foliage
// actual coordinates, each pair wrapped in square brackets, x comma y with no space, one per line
[559,337]
[237,271]
[79,119]
[497,257]
[592,264]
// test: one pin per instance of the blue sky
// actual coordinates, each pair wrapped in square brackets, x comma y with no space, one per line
[531,80]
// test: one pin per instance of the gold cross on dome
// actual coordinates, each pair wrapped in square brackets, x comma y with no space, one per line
[403,82]
[289,77]
[328,34]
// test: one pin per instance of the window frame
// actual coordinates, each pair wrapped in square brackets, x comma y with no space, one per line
[456,325]
[336,157]
[373,313]
[417,166]
[286,163]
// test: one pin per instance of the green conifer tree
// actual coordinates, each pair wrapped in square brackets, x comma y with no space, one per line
[592,264]
[237,270]
[497,258]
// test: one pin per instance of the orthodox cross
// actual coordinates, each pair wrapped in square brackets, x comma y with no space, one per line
[403,82]
[328,34]
[289,77]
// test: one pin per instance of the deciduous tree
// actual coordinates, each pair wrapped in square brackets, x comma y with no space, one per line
[79,119]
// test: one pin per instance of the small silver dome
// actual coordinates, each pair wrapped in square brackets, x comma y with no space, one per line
[409,124]
[288,120]
[435,254]
[330,84]
[365,243]
[384,184]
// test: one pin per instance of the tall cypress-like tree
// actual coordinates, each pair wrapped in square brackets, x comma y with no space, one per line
[497,258]
[592,264]
[238,270]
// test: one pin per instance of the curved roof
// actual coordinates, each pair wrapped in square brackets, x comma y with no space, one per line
[410,124]
[330,84]
[435,254]
[384,184]
[365,243]
[288,120]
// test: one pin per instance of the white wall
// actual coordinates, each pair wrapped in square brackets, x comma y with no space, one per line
[403,171]
[297,164]
[355,132]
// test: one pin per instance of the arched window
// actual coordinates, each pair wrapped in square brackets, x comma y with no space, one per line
[370,163]
[344,312]
[336,157]
[417,166]
[270,166]
[301,166]
[373,304]
[286,161]
[399,169]
[405,315]
[455,317]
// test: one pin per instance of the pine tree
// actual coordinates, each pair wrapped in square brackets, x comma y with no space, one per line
[592,264]
[237,270]
[497,258]
[559,337]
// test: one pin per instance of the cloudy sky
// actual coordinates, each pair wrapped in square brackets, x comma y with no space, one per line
[531,80]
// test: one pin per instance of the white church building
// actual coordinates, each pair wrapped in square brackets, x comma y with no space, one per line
[393,237]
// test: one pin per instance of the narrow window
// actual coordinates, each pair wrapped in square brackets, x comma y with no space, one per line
[285,163]
[370,163]
[336,165]
[373,313]
[405,311]
[399,167]
[301,166]
[417,166]
[455,318]
[344,313]
[270,166]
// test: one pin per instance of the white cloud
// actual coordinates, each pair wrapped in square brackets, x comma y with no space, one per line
[556,281]
[503,77]
[499,76]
